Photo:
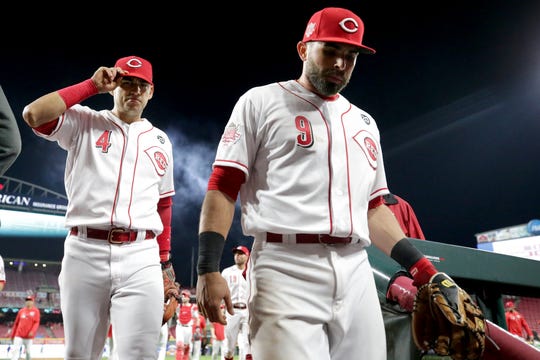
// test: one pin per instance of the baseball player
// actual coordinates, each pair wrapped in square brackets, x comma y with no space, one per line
[184,332]
[237,329]
[10,137]
[163,341]
[2,274]
[25,329]
[218,337]
[405,215]
[113,355]
[119,182]
[309,169]
[199,331]
[516,323]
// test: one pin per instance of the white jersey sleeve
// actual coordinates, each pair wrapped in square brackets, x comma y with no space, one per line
[312,164]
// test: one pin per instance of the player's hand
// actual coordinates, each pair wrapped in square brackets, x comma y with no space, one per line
[106,78]
[212,290]
[401,291]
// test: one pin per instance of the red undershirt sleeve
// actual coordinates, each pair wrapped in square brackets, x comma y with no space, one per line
[164,239]
[47,128]
[227,179]
[378,201]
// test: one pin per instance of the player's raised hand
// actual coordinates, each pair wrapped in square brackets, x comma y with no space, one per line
[212,290]
[106,78]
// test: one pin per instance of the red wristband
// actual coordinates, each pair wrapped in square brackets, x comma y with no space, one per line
[75,94]
[164,255]
[422,271]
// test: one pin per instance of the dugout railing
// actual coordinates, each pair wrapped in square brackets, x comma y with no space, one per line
[488,277]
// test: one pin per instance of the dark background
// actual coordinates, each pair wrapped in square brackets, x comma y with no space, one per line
[453,87]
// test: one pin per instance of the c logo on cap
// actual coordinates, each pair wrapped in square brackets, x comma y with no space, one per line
[349,25]
[136,63]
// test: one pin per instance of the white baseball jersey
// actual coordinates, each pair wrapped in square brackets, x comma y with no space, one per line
[97,141]
[237,284]
[312,164]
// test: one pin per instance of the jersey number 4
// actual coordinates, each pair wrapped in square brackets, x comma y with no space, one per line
[103,141]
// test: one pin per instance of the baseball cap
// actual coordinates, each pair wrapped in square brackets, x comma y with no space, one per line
[242,249]
[29,298]
[186,292]
[509,304]
[339,25]
[137,67]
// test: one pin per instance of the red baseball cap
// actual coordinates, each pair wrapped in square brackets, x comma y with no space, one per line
[29,298]
[339,25]
[241,249]
[137,67]
[509,304]
[186,292]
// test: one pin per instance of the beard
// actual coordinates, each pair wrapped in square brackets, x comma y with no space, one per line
[317,78]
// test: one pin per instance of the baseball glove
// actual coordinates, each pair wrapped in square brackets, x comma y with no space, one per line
[447,321]
[171,289]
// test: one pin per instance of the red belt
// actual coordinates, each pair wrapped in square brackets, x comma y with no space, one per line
[115,235]
[308,239]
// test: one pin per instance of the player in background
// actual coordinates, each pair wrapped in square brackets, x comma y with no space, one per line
[10,137]
[516,323]
[218,336]
[309,168]
[405,215]
[184,323]
[25,329]
[2,273]
[237,328]
[163,341]
[199,331]
[110,350]
[119,183]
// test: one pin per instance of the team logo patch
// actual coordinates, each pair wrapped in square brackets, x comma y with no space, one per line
[159,159]
[134,63]
[310,29]
[349,25]
[231,134]
[366,119]
[161,139]
[369,147]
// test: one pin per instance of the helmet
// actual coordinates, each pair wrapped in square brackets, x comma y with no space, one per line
[509,304]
